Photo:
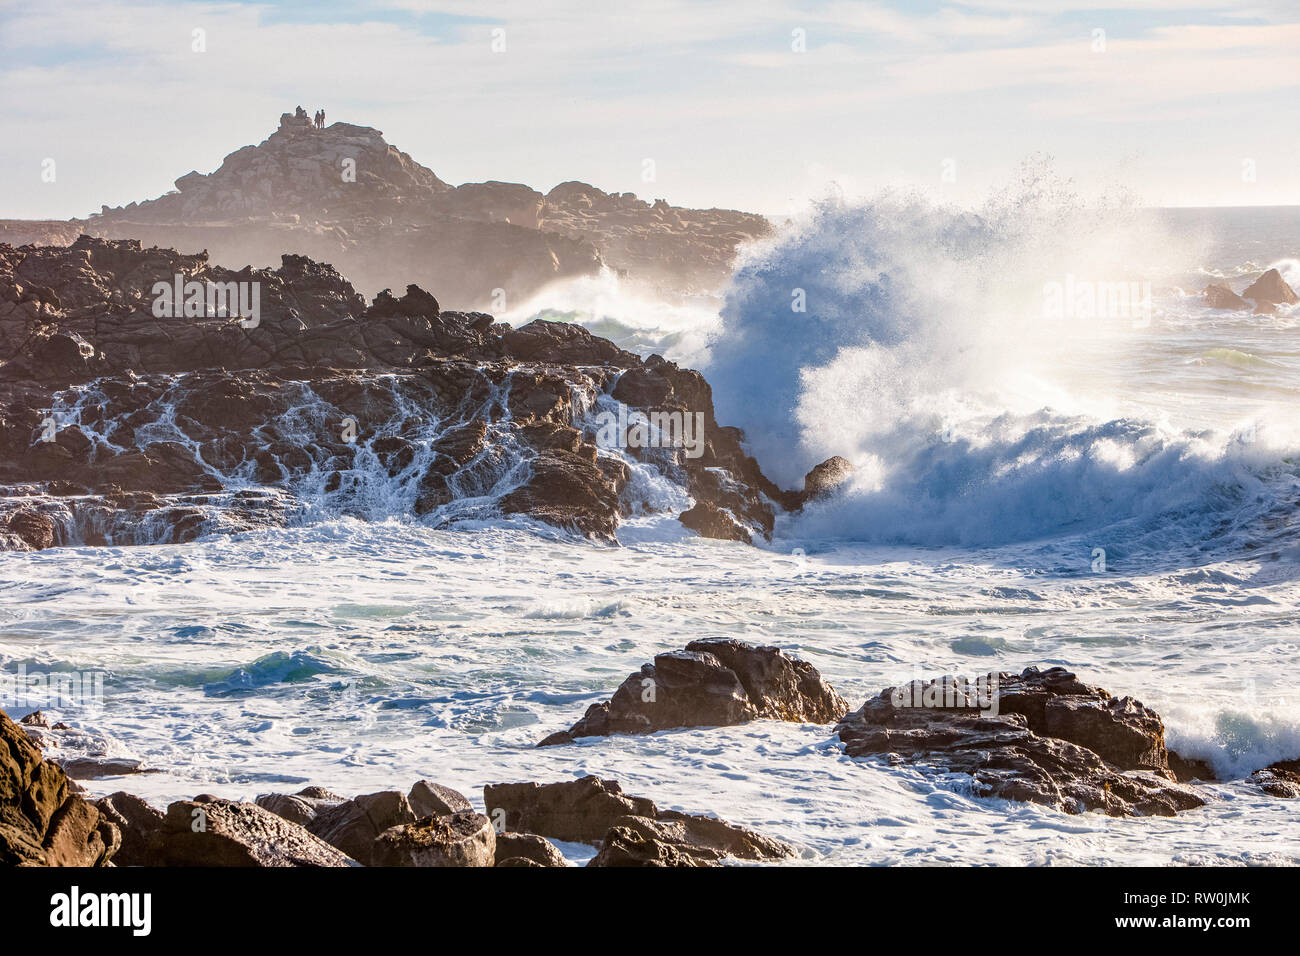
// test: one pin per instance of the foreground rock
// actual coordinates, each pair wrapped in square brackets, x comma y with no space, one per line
[43,822]
[208,831]
[459,839]
[1219,296]
[1053,740]
[511,848]
[712,683]
[1267,293]
[205,423]
[633,831]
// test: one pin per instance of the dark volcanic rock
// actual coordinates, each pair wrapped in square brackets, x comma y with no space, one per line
[1281,779]
[1186,769]
[42,821]
[826,477]
[212,832]
[301,807]
[1053,740]
[457,839]
[316,400]
[712,683]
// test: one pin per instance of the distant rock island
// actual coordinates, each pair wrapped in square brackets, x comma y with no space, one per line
[343,195]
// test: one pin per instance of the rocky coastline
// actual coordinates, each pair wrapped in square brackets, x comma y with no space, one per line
[1053,740]
[124,426]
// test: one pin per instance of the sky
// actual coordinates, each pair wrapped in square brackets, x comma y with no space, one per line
[757,105]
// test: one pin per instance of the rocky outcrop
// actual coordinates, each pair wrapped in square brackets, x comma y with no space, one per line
[711,683]
[1269,291]
[631,830]
[537,851]
[1039,736]
[1266,293]
[1281,779]
[345,195]
[119,426]
[1219,296]
[43,820]
[579,811]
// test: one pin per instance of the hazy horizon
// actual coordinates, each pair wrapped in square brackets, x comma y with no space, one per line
[1178,103]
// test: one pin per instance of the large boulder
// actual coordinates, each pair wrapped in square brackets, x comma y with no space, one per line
[301,807]
[208,831]
[352,826]
[1219,296]
[458,839]
[580,811]
[43,822]
[1281,779]
[711,683]
[140,825]
[1039,736]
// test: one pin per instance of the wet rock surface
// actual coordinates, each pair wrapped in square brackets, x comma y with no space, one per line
[43,820]
[711,683]
[1053,740]
[119,426]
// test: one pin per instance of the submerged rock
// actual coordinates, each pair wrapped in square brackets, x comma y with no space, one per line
[712,683]
[1051,739]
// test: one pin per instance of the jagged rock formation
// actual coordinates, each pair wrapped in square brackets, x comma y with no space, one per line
[343,194]
[1045,737]
[712,683]
[118,425]
[1267,293]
